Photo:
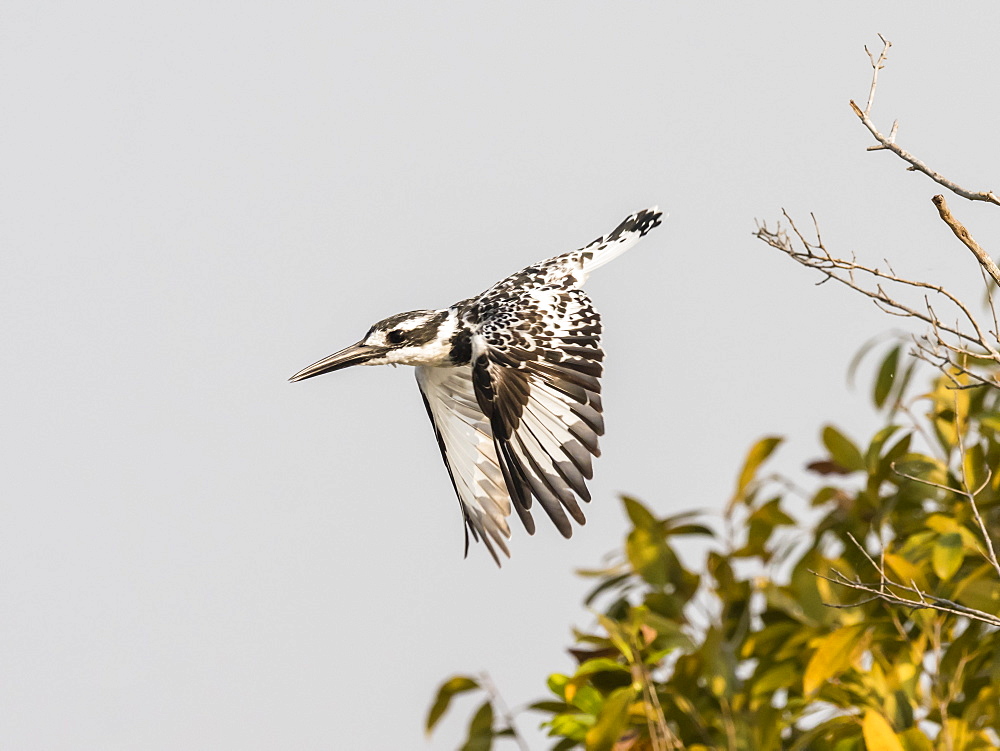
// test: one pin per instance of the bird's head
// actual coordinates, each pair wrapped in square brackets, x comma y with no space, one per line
[419,337]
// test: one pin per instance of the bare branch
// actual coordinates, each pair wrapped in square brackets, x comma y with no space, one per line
[890,142]
[963,234]
[960,340]
[877,65]
[990,553]
[922,601]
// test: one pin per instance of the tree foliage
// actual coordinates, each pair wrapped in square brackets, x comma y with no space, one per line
[768,643]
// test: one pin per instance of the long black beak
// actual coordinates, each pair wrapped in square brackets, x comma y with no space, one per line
[356,354]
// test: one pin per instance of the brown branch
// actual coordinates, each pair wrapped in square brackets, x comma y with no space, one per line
[990,554]
[923,601]
[889,142]
[815,255]
[963,234]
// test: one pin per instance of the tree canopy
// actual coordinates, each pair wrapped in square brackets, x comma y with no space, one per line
[876,626]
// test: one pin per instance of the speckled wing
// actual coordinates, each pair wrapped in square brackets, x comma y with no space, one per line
[536,365]
[465,438]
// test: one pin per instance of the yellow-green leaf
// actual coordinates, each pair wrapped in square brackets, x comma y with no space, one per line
[647,552]
[878,733]
[947,555]
[974,465]
[449,688]
[913,739]
[587,698]
[843,451]
[601,665]
[781,675]
[612,721]
[979,590]
[557,684]
[480,729]
[906,572]
[757,455]
[873,455]
[639,514]
[832,657]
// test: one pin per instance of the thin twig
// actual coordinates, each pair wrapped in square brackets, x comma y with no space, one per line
[817,257]
[946,346]
[497,701]
[877,65]
[924,600]
[890,142]
[990,553]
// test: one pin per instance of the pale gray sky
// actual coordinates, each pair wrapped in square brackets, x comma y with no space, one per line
[199,199]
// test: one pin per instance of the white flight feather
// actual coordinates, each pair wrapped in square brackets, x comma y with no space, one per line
[469,448]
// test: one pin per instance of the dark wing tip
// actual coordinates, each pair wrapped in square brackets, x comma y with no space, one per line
[641,222]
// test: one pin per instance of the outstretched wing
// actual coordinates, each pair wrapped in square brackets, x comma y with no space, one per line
[536,365]
[465,438]
[523,422]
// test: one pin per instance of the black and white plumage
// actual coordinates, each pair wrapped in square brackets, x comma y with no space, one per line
[511,381]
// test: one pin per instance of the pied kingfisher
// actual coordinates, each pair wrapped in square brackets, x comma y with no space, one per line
[510,380]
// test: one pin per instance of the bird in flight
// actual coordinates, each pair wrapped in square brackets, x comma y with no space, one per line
[511,381]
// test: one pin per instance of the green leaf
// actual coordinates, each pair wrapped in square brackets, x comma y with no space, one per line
[886,376]
[639,514]
[648,554]
[772,514]
[782,675]
[757,455]
[618,636]
[947,555]
[604,586]
[833,728]
[557,684]
[612,721]
[566,744]
[902,383]
[897,450]
[832,657]
[975,467]
[455,685]
[923,468]
[980,591]
[481,729]
[587,699]
[572,727]
[845,453]
[553,707]
[601,665]
[991,420]
[874,453]
[913,739]
[690,529]
[852,367]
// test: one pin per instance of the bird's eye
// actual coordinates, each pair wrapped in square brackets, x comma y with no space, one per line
[396,336]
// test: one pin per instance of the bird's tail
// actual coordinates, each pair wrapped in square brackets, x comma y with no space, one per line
[623,237]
